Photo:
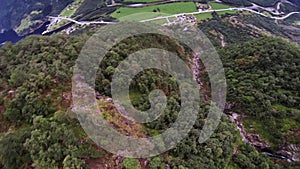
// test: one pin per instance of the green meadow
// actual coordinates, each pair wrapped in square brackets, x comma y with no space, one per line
[142,13]
[165,9]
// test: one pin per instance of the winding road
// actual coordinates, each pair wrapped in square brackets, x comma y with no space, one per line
[250,9]
[57,19]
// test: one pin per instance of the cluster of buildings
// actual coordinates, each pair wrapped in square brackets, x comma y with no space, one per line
[182,19]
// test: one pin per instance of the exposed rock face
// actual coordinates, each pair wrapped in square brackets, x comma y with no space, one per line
[229,106]
[253,139]
[11,94]
[196,70]
[292,152]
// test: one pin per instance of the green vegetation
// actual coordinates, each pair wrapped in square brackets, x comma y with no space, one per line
[245,27]
[40,130]
[161,21]
[62,145]
[26,23]
[142,16]
[42,134]
[89,10]
[12,152]
[166,9]
[216,5]
[156,163]
[227,12]
[219,149]
[203,16]
[131,163]
[257,75]
[71,9]
[156,10]
[208,15]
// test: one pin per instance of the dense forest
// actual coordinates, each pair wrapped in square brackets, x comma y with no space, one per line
[263,78]
[38,128]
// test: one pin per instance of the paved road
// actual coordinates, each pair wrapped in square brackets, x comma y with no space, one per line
[79,22]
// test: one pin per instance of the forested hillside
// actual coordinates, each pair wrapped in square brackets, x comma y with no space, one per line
[38,128]
[263,77]
[243,27]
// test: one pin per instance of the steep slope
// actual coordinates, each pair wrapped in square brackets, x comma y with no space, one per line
[35,104]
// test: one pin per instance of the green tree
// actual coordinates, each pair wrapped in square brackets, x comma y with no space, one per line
[131,163]
[156,163]
[50,143]
[12,152]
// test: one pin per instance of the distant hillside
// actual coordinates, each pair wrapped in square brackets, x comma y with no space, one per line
[243,27]
[264,3]
[24,15]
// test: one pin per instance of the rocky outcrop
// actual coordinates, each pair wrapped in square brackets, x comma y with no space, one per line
[253,139]
[291,152]
[196,70]
[256,141]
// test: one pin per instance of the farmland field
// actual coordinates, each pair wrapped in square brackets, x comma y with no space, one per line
[142,16]
[227,12]
[203,16]
[172,8]
[215,5]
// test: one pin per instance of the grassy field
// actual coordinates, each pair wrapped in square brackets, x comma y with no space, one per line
[204,16]
[71,9]
[142,13]
[227,12]
[162,21]
[172,8]
[215,5]
[141,16]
